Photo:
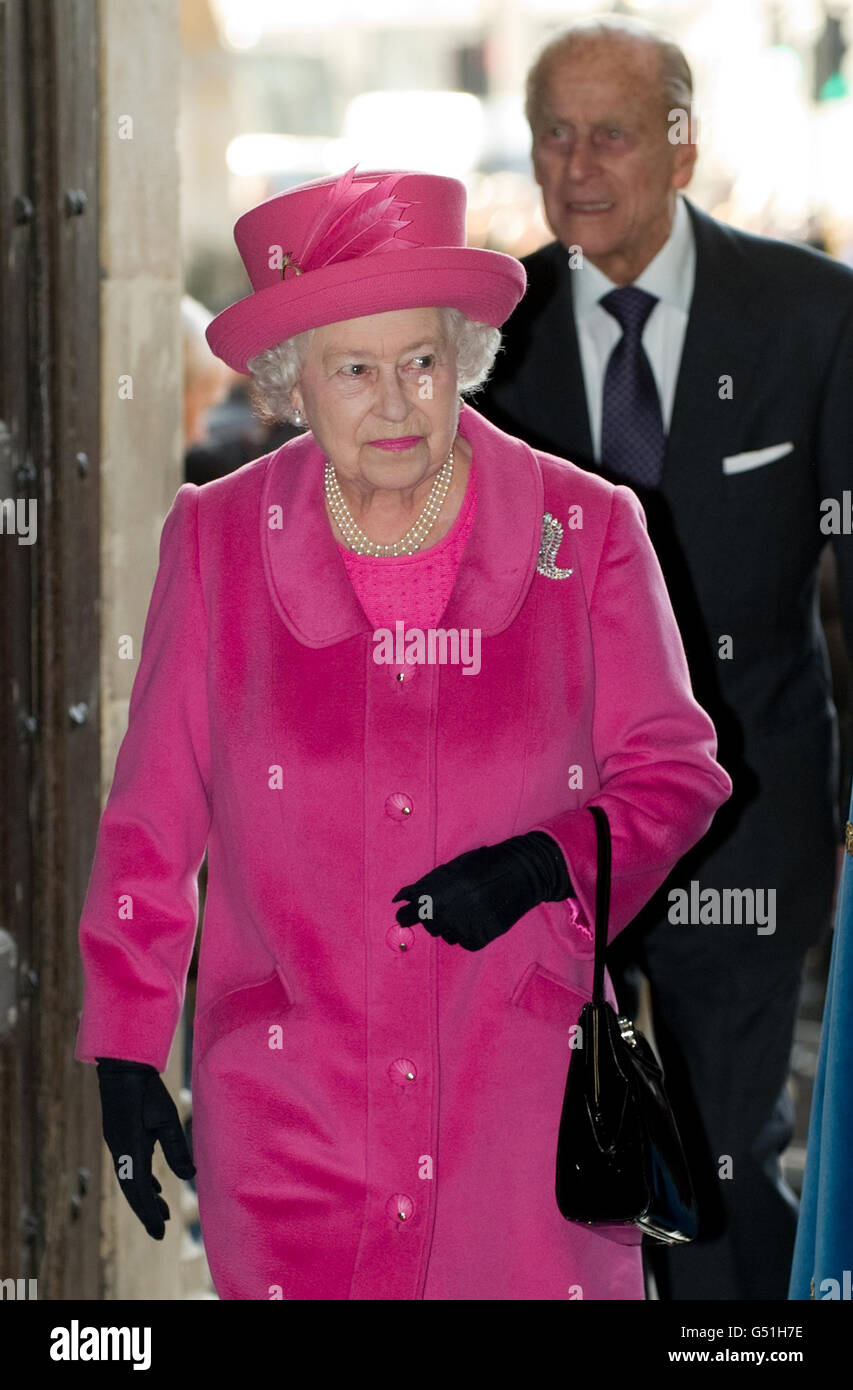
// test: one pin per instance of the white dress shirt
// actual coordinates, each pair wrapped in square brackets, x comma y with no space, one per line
[669,276]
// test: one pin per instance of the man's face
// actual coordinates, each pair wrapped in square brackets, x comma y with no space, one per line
[602,156]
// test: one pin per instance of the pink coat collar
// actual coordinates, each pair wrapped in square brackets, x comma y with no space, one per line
[306,576]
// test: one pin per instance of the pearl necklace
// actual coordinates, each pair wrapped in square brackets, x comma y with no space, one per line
[416,534]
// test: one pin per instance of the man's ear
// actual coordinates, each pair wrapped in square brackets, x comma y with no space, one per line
[534,161]
[685,161]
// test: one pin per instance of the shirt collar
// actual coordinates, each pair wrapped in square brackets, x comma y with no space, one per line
[669,276]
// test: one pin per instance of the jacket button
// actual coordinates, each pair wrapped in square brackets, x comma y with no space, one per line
[402,1071]
[399,806]
[405,673]
[399,1208]
[399,938]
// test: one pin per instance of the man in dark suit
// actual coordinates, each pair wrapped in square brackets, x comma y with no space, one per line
[716,378]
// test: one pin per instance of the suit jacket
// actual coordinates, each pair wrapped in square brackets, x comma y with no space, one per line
[348,1072]
[761,433]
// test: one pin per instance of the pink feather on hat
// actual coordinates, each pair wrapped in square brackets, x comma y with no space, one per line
[346,228]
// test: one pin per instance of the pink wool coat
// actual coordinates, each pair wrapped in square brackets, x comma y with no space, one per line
[375,1111]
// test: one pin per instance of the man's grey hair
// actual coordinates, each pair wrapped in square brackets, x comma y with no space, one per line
[676,77]
[275,371]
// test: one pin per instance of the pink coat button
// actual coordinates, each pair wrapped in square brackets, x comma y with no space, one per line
[399,938]
[399,1208]
[402,1071]
[399,806]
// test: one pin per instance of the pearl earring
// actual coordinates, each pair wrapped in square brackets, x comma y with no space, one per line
[297,417]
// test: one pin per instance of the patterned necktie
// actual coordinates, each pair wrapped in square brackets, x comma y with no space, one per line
[632,434]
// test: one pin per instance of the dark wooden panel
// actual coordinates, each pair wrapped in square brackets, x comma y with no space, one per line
[70,1142]
[17,702]
[50,380]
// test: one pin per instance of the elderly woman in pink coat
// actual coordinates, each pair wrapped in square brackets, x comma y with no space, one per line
[385,670]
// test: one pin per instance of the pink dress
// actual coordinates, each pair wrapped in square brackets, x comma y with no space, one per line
[375,1111]
[414,589]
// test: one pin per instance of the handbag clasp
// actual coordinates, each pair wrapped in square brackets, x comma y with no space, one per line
[626,1028]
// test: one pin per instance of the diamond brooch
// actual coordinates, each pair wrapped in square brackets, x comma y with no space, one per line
[552,536]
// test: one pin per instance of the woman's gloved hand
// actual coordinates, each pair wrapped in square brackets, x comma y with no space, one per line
[480,894]
[137,1110]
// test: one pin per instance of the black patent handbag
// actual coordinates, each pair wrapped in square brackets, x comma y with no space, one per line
[620,1160]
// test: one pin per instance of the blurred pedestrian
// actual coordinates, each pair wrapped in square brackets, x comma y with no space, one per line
[206,379]
[823,1253]
[224,426]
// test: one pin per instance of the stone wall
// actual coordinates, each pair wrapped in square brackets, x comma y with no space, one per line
[141,470]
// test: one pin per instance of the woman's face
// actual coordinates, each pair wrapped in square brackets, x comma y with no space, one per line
[372,381]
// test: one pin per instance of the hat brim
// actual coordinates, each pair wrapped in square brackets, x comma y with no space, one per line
[484,285]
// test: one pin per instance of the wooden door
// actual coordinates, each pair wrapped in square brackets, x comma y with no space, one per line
[50,1141]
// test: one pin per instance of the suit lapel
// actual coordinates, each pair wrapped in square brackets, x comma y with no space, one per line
[723,339]
[555,396]
[567,357]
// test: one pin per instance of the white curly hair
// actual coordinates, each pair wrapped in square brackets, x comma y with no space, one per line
[275,371]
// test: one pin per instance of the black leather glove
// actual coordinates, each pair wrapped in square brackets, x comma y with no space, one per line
[137,1110]
[480,894]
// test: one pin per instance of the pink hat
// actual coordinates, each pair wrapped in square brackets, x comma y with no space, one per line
[338,249]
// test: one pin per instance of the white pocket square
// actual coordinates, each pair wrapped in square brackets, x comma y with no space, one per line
[755,458]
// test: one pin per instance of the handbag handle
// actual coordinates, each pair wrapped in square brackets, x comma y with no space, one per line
[602,899]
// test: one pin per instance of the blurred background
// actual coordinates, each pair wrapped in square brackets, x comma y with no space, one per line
[275,94]
[133,137]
